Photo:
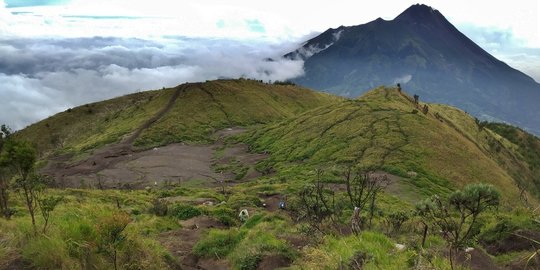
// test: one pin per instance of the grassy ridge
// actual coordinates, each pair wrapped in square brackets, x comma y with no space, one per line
[513,149]
[445,148]
[199,110]
[527,149]
[384,129]
[93,125]
[204,108]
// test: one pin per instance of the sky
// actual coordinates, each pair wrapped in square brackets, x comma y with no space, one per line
[57,54]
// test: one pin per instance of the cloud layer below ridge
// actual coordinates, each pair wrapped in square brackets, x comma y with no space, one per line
[40,77]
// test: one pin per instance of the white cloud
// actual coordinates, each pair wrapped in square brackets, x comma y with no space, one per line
[403,79]
[25,100]
[521,18]
[507,47]
[526,62]
[41,77]
[282,19]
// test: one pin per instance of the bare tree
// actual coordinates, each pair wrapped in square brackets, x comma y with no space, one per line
[318,204]
[363,188]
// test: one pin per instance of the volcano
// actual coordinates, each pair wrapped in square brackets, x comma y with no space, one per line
[423,52]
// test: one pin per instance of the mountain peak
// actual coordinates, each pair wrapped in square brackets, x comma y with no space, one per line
[419,13]
[420,49]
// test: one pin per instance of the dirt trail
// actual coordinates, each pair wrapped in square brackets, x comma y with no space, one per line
[180,243]
[106,157]
[129,141]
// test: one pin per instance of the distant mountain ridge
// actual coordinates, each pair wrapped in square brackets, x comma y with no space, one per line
[426,54]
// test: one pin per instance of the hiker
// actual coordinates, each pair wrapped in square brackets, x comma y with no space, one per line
[244,215]
[355,221]
[281,203]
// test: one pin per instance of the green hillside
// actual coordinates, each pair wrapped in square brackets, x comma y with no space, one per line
[445,149]
[203,108]
[197,110]
[525,146]
[253,146]
[93,125]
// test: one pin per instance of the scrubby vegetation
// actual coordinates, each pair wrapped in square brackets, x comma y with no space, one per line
[348,184]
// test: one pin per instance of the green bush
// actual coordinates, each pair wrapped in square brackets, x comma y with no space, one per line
[253,221]
[48,253]
[218,243]
[225,215]
[249,262]
[238,201]
[83,239]
[395,220]
[159,208]
[503,225]
[184,211]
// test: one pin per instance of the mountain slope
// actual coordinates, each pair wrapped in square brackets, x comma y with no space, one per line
[204,108]
[425,52]
[434,152]
[187,113]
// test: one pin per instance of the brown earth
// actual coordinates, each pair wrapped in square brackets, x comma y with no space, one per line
[16,264]
[272,202]
[180,243]
[297,241]
[525,263]
[175,163]
[238,152]
[517,241]
[119,166]
[273,261]
[476,260]
[224,133]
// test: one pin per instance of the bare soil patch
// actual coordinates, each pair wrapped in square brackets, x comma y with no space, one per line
[476,260]
[119,166]
[17,264]
[175,163]
[272,202]
[224,133]
[514,243]
[180,243]
[273,261]
[238,155]
[297,241]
